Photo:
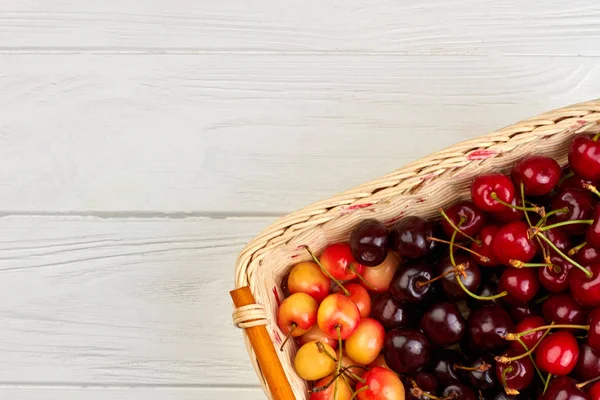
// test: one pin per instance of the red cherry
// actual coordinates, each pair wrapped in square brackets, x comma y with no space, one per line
[472,219]
[518,374]
[486,235]
[558,238]
[521,284]
[483,188]
[509,214]
[586,290]
[594,333]
[575,182]
[579,205]
[558,353]
[594,392]
[588,255]
[562,309]
[538,174]
[564,388]
[531,339]
[584,157]
[338,261]
[592,235]
[512,242]
[552,280]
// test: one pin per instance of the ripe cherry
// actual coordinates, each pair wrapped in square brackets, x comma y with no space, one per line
[443,365]
[562,309]
[471,278]
[315,334]
[588,255]
[539,174]
[553,280]
[360,297]
[410,237]
[486,235]
[559,238]
[381,384]
[487,289]
[406,350]
[486,189]
[443,324]
[390,312]
[574,182]
[588,365]
[521,284]
[510,214]
[312,363]
[592,235]
[584,156]
[344,390]
[584,289]
[410,283]
[531,339]
[579,205]
[337,259]
[459,391]
[365,343]
[564,387]
[369,242]
[594,332]
[558,353]
[512,242]
[297,314]
[516,374]
[487,327]
[466,217]
[378,278]
[519,312]
[480,373]
[306,277]
[337,313]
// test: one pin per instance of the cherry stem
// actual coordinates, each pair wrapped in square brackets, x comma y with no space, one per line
[563,255]
[522,188]
[582,384]
[536,209]
[361,278]
[456,229]
[564,223]
[509,391]
[362,389]
[547,382]
[417,392]
[521,264]
[316,260]
[288,336]
[596,137]
[325,387]
[481,367]
[576,249]
[506,360]
[420,284]
[339,363]
[482,258]
[591,188]
[532,360]
[514,336]
[322,349]
[557,211]
[567,176]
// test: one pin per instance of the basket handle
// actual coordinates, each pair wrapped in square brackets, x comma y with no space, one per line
[265,352]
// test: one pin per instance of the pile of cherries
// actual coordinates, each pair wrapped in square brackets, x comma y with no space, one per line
[497,299]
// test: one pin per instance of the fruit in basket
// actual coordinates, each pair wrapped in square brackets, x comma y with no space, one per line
[488,327]
[515,375]
[338,316]
[411,237]
[344,390]
[558,353]
[539,174]
[338,261]
[366,342]
[307,277]
[369,242]
[411,284]
[522,285]
[443,324]
[380,384]
[297,314]
[312,361]
[513,242]
[466,217]
[406,350]
[584,156]
[390,312]
[490,192]
[360,297]
[585,288]
[378,278]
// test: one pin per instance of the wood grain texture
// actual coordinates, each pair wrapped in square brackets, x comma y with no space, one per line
[239,134]
[121,301]
[426,27]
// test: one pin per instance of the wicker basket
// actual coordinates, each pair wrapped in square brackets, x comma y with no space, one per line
[420,188]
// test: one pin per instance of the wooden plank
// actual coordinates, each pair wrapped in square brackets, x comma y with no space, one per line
[121,301]
[429,27]
[231,134]
[78,393]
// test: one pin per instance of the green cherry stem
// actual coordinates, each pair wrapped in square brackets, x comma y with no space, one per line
[288,336]
[522,188]
[362,389]
[361,278]
[563,255]
[591,188]
[547,382]
[557,211]
[536,209]
[456,228]
[316,260]
[514,336]
[583,384]
[468,250]
[576,249]
[506,360]
[521,264]
[509,391]
[564,223]
[339,363]
[532,360]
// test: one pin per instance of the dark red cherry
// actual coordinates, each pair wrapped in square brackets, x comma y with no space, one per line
[564,388]
[443,324]
[409,283]
[539,174]
[487,327]
[459,391]
[516,374]
[531,339]
[521,284]
[559,238]
[510,214]
[594,332]
[586,290]
[369,242]
[486,235]
[390,312]
[406,350]
[584,157]
[574,182]
[468,218]
[512,242]
[561,309]
[450,286]
[443,364]
[479,377]
[503,396]
[558,353]
[579,205]
[588,365]
[425,381]
[588,255]
[488,288]
[410,237]
[553,280]
[592,235]
[437,250]
[483,188]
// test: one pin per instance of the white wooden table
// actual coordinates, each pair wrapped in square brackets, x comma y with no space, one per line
[144,142]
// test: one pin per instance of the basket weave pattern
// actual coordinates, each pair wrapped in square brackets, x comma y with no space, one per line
[420,188]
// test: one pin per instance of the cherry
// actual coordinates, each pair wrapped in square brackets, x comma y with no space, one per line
[338,261]
[459,391]
[471,281]
[579,205]
[558,353]
[486,187]
[538,174]
[553,280]
[512,242]
[344,390]
[588,255]
[510,214]
[378,278]
[359,295]
[426,381]
[592,235]
[443,365]
[574,182]
[531,339]
[594,332]
[443,324]
[379,362]
[406,350]
[380,384]
[521,284]
[562,309]
[410,283]
[594,392]
[466,217]
[484,247]
[487,289]
[564,388]
[584,289]
[480,373]
[519,312]
[297,314]
[306,277]
[366,341]
[338,315]
[584,156]
[487,327]
[369,242]
[559,238]
[312,362]
[410,237]
[315,334]
[390,312]
[588,365]
[516,374]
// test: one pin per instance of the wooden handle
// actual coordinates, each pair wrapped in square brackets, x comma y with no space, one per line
[265,351]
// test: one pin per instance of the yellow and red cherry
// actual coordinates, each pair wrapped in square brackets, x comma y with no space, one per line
[366,342]
[380,384]
[315,334]
[307,277]
[379,362]
[297,314]
[314,361]
[338,316]
[338,261]
[360,296]
[379,277]
[344,390]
